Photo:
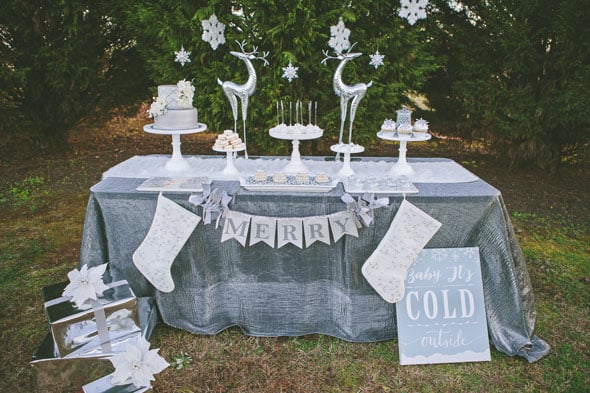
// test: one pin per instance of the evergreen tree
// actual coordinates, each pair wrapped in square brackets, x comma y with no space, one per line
[60,60]
[518,71]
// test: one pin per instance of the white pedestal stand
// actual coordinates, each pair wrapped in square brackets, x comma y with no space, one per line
[401,167]
[230,170]
[295,165]
[176,163]
[347,149]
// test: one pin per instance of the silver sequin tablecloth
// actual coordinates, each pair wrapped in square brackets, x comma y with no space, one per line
[320,289]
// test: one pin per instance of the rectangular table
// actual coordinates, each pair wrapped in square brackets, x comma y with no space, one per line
[319,289]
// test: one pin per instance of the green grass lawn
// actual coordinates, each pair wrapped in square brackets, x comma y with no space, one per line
[39,244]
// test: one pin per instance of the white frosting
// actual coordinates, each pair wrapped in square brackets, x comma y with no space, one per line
[177,119]
[388,125]
[321,177]
[404,129]
[279,177]
[302,177]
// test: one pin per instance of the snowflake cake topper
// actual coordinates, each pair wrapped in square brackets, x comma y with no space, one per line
[412,10]
[182,56]
[290,72]
[213,31]
[339,35]
[376,59]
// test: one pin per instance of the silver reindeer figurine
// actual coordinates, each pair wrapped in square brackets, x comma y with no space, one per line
[233,91]
[346,92]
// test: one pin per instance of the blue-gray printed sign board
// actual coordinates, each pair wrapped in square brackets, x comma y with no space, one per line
[442,317]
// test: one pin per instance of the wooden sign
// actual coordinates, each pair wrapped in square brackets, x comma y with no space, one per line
[442,317]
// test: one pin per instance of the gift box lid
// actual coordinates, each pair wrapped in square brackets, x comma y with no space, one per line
[59,308]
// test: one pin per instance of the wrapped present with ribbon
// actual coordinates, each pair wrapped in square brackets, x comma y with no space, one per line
[88,317]
[55,374]
[134,370]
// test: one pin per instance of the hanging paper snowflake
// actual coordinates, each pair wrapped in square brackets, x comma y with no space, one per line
[213,31]
[412,10]
[339,37]
[376,59]
[290,72]
[182,56]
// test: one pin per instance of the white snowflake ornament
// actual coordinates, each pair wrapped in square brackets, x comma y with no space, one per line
[213,31]
[376,59]
[339,37]
[137,365]
[290,72]
[182,56]
[85,284]
[412,10]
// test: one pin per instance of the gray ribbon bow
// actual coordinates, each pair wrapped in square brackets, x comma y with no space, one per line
[363,208]
[214,204]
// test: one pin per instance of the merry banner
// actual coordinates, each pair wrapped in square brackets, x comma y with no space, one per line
[277,232]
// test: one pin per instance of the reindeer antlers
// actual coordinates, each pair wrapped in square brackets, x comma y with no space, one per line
[254,52]
[339,55]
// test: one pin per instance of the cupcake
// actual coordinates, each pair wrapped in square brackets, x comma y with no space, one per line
[321,178]
[421,125]
[388,126]
[404,129]
[260,176]
[279,177]
[302,177]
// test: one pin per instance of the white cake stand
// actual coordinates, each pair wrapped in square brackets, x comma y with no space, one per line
[176,163]
[401,167]
[347,149]
[230,170]
[295,165]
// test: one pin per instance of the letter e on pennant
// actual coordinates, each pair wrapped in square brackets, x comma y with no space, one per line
[263,229]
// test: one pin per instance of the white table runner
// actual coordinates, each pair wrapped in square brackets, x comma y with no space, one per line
[429,171]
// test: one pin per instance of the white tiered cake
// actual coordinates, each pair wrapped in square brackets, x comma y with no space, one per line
[173,108]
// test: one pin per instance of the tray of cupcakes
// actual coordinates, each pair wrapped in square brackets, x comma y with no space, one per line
[280,181]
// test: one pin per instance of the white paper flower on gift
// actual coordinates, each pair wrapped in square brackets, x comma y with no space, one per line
[186,91]
[213,31]
[412,10]
[376,59]
[137,365]
[290,72]
[339,37]
[85,284]
[158,107]
[182,56]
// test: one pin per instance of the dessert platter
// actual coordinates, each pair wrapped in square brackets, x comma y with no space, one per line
[174,115]
[403,131]
[379,185]
[169,184]
[280,181]
[295,133]
[346,149]
[229,142]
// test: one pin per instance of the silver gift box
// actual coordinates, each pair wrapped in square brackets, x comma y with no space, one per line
[76,332]
[55,374]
